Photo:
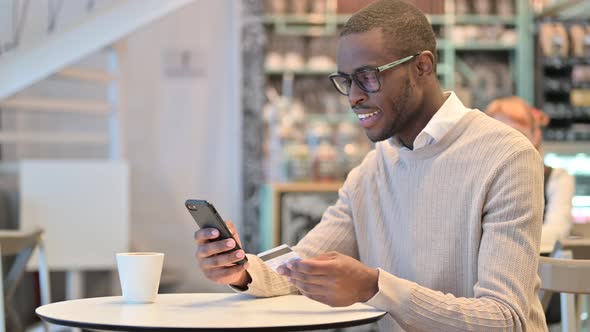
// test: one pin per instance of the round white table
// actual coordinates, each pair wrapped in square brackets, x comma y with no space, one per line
[206,312]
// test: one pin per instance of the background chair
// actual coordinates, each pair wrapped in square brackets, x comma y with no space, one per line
[579,241]
[582,230]
[568,277]
[579,244]
[21,243]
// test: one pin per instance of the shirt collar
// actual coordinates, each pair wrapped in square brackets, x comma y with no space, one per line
[447,116]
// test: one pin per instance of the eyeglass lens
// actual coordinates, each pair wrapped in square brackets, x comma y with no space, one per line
[342,84]
[366,80]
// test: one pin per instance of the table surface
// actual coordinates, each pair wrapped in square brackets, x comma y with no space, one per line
[202,311]
[566,243]
[576,241]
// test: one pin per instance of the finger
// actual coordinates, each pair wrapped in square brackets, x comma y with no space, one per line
[330,255]
[204,235]
[308,266]
[222,260]
[231,227]
[307,278]
[234,232]
[308,288]
[283,270]
[216,247]
[224,274]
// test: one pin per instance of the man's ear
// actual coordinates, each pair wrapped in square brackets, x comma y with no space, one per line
[425,63]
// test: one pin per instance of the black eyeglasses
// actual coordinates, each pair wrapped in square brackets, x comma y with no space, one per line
[366,79]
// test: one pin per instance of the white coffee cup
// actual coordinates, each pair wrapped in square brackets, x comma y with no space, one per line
[139,273]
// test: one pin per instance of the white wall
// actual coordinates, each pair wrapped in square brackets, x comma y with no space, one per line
[184,133]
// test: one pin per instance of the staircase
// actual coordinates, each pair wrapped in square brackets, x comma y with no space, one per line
[42,77]
[76,112]
[23,66]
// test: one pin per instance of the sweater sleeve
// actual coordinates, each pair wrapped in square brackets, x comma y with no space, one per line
[507,262]
[557,221]
[334,232]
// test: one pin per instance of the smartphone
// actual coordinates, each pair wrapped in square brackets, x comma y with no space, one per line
[206,216]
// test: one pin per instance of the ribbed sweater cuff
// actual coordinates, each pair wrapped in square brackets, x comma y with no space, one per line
[393,296]
[258,286]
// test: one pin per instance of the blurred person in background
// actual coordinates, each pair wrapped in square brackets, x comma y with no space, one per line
[559,184]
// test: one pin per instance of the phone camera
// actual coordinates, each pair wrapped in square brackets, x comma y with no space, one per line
[193,207]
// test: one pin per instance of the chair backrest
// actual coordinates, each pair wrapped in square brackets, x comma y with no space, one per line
[582,230]
[13,242]
[579,250]
[565,275]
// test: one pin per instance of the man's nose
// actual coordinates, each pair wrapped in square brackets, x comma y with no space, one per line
[356,95]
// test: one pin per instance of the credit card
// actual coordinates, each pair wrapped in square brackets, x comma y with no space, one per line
[278,256]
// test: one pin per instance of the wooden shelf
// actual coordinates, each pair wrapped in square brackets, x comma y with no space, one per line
[484,20]
[303,71]
[307,186]
[485,46]
[565,147]
[55,105]
[318,19]
[53,138]
[562,7]
[86,75]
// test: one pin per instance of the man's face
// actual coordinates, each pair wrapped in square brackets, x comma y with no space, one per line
[389,111]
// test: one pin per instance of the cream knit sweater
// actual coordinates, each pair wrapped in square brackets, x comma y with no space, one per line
[454,229]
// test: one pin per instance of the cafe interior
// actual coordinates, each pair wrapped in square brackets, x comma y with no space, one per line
[114,113]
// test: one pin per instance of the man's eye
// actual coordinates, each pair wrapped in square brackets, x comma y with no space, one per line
[366,77]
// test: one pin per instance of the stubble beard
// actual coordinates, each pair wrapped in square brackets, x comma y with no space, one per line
[401,116]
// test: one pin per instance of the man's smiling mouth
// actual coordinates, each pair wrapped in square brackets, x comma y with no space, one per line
[367,115]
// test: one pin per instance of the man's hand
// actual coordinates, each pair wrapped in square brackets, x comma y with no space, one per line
[217,264]
[332,278]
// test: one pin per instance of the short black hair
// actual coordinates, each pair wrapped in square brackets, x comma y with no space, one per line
[406,30]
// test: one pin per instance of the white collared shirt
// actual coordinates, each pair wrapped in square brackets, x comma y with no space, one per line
[449,114]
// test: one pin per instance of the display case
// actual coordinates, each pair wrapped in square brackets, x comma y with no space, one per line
[563,77]
[310,134]
[562,86]
[484,52]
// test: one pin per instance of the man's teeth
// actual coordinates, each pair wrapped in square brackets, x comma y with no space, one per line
[366,116]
